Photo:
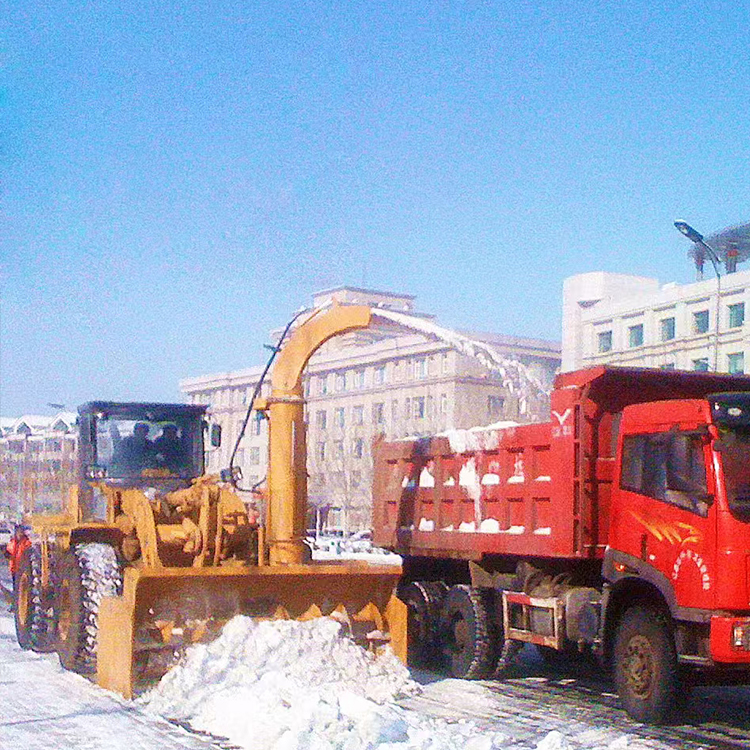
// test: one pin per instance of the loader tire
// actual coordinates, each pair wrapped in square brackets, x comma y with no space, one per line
[645,665]
[468,632]
[87,573]
[423,601]
[32,607]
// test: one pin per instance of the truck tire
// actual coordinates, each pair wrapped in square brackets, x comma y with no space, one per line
[645,665]
[32,610]
[468,632]
[423,601]
[87,573]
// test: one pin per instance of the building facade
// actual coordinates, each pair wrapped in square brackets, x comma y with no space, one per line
[371,382]
[37,463]
[633,320]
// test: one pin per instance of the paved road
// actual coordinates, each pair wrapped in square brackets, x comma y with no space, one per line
[576,701]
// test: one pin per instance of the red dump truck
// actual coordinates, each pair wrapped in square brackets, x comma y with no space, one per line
[621,526]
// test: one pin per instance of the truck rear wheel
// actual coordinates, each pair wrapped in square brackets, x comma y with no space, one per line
[423,600]
[645,665]
[33,618]
[467,632]
[86,574]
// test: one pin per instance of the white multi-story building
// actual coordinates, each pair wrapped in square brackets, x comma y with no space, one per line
[37,458]
[376,381]
[633,320]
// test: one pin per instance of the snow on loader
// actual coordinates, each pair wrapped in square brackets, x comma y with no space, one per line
[150,555]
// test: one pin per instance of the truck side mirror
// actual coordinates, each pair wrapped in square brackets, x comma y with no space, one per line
[215,436]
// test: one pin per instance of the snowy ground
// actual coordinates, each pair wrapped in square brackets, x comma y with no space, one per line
[289,686]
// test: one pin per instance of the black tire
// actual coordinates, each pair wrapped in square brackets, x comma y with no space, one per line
[645,665]
[423,600]
[86,574]
[32,608]
[468,633]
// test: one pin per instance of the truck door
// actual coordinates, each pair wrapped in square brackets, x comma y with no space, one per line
[667,517]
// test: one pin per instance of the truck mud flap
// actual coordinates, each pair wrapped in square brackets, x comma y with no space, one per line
[162,611]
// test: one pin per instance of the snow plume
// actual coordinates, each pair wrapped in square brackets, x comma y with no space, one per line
[516,376]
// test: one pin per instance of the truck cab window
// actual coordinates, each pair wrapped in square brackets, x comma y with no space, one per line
[667,466]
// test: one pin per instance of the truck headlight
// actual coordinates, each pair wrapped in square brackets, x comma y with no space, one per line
[741,635]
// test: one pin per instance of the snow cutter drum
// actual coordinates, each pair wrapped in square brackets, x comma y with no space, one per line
[163,610]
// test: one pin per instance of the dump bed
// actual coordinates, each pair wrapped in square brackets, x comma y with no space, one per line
[532,490]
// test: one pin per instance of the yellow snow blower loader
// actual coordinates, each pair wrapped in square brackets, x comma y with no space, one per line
[150,555]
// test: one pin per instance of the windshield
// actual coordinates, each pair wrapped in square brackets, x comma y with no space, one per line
[129,447]
[730,412]
[734,448]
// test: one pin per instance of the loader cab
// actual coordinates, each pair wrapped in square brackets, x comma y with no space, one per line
[138,444]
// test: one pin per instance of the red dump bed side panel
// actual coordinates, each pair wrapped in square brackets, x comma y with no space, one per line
[518,490]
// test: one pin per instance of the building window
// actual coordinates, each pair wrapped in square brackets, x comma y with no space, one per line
[604,342]
[443,403]
[394,410]
[255,424]
[359,448]
[338,449]
[700,321]
[420,369]
[701,364]
[407,408]
[356,478]
[635,335]
[737,316]
[736,363]
[358,414]
[323,385]
[446,364]
[321,451]
[380,375]
[378,413]
[418,405]
[321,419]
[338,416]
[340,382]
[359,379]
[253,456]
[494,406]
[666,329]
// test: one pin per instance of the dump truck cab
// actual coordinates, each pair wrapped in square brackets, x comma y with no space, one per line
[136,445]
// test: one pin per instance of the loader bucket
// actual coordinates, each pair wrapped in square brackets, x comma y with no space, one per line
[163,610]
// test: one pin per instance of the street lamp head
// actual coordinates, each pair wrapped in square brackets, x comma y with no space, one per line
[685,228]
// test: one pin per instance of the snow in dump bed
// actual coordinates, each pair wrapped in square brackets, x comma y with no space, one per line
[287,685]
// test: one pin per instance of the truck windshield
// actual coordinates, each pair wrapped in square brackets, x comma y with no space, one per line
[730,413]
[130,446]
[734,448]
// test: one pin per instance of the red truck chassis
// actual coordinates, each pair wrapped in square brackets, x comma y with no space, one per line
[621,526]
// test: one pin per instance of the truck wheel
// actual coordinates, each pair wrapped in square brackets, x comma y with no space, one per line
[87,573]
[645,665]
[33,618]
[423,600]
[468,632]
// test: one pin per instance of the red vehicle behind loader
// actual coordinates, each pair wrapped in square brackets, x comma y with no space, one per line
[621,526]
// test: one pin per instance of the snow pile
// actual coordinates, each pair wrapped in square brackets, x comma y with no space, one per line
[287,685]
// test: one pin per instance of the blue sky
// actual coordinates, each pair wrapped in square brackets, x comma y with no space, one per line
[178,178]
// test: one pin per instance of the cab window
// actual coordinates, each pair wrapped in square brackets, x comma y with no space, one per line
[667,466]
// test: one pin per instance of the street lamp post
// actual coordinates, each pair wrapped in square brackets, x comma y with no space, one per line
[695,236]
